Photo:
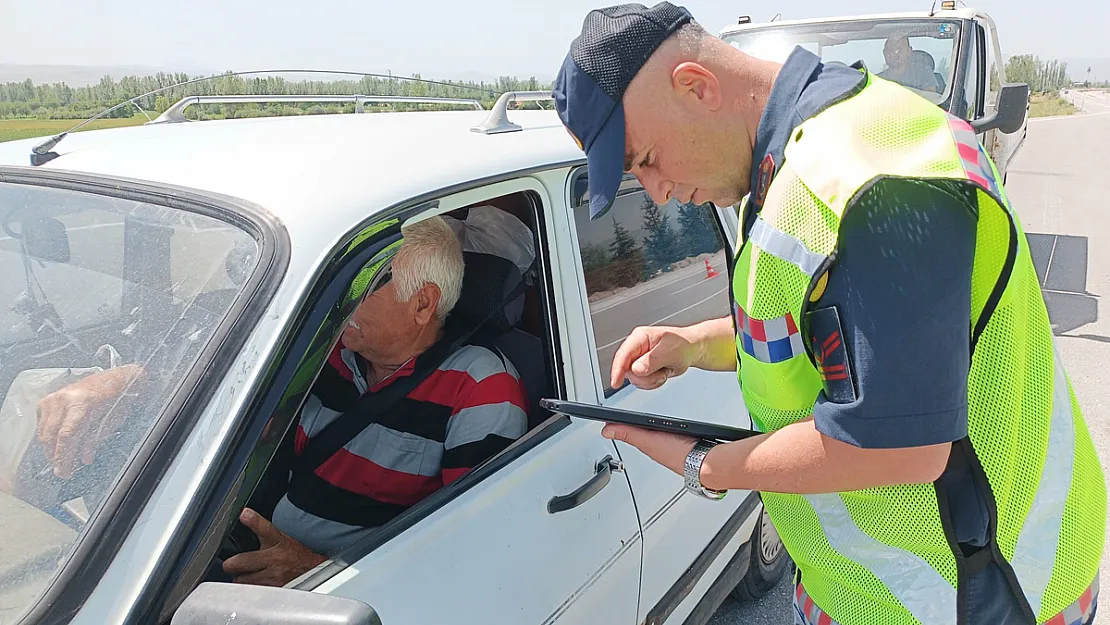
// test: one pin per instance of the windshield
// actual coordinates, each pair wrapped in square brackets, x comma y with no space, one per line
[108,303]
[918,54]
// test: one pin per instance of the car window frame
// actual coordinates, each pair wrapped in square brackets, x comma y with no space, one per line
[306,331]
[132,489]
[629,185]
[975,80]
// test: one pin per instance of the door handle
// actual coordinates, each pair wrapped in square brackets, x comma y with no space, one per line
[602,471]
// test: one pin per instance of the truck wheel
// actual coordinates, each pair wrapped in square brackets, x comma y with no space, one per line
[768,563]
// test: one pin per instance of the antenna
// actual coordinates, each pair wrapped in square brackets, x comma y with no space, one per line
[42,153]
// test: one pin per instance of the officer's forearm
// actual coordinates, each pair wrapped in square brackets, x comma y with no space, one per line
[800,460]
[717,347]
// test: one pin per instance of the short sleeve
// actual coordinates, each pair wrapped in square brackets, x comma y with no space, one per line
[898,300]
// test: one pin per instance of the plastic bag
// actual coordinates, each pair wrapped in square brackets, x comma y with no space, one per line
[19,412]
[490,230]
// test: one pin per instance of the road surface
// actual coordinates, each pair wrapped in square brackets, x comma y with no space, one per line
[1059,184]
[682,297]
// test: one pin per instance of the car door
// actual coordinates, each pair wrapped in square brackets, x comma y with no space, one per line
[645,264]
[1001,146]
[547,531]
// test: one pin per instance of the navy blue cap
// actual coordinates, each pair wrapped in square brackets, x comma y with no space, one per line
[614,44]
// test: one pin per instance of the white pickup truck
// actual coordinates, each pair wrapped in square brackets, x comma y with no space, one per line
[950,56]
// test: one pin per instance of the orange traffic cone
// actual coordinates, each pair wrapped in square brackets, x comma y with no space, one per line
[709,271]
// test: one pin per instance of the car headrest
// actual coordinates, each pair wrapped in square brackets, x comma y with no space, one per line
[487,281]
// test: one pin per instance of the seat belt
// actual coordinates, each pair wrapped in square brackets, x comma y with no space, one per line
[371,406]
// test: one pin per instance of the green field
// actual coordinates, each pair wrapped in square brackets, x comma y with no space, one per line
[1049,105]
[12,129]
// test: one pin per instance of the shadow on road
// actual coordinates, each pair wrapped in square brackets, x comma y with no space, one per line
[1061,265]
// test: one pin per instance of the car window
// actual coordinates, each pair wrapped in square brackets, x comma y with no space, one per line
[973,78]
[648,264]
[915,53]
[96,286]
[995,79]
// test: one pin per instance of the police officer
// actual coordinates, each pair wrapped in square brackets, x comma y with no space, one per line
[923,457]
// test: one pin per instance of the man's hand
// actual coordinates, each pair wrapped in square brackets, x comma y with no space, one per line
[73,421]
[669,450]
[279,559]
[651,355]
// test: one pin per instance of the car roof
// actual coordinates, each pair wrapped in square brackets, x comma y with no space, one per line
[316,171]
[955,14]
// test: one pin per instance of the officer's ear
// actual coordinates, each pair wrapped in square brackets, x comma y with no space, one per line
[696,84]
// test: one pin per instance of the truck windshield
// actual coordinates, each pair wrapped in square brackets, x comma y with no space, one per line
[107,304]
[917,53]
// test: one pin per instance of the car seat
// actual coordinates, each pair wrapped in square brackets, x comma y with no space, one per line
[487,282]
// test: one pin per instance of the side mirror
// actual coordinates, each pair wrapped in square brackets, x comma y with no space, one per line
[216,603]
[1009,114]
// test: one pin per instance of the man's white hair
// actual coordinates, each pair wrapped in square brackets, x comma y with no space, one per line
[430,253]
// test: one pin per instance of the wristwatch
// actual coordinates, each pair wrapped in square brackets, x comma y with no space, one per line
[692,471]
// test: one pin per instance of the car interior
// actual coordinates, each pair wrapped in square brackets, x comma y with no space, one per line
[519,330]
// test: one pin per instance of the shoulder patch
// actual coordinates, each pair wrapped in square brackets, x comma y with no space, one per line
[766,173]
[826,337]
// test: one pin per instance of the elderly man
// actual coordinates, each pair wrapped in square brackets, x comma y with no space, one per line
[922,454]
[470,408]
[905,67]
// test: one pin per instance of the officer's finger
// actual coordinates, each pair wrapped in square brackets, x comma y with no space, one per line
[650,381]
[636,345]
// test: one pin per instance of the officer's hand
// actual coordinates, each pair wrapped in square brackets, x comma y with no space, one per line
[669,450]
[73,421]
[652,354]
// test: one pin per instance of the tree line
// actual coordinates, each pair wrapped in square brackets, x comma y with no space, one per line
[60,101]
[627,261]
[1041,76]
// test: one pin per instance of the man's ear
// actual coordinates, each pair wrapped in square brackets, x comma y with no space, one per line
[425,303]
[694,79]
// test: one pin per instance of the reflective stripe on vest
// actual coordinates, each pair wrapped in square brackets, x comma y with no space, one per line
[918,586]
[1035,551]
[781,245]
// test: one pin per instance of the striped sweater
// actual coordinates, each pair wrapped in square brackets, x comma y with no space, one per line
[466,411]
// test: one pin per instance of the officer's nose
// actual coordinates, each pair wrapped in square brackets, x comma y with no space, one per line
[659,188]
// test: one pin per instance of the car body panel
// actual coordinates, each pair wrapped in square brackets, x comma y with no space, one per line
[595,554]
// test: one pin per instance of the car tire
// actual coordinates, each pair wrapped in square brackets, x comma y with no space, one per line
[768,562]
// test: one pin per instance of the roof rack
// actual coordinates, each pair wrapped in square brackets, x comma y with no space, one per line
[498,120]
[176,112]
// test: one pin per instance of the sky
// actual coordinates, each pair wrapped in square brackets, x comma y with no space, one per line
[437,38]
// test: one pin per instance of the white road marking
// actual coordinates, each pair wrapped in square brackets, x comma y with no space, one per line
[658,321]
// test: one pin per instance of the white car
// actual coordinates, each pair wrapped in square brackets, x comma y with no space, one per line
[959,47]
[219,254]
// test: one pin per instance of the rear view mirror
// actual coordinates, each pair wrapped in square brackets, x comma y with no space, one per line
[1009,114]
[43,238]
[214,603]
[46,239]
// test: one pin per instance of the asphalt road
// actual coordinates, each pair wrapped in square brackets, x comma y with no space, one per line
[683,297]
[1059,183]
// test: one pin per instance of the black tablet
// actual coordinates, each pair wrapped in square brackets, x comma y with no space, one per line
[695,429]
